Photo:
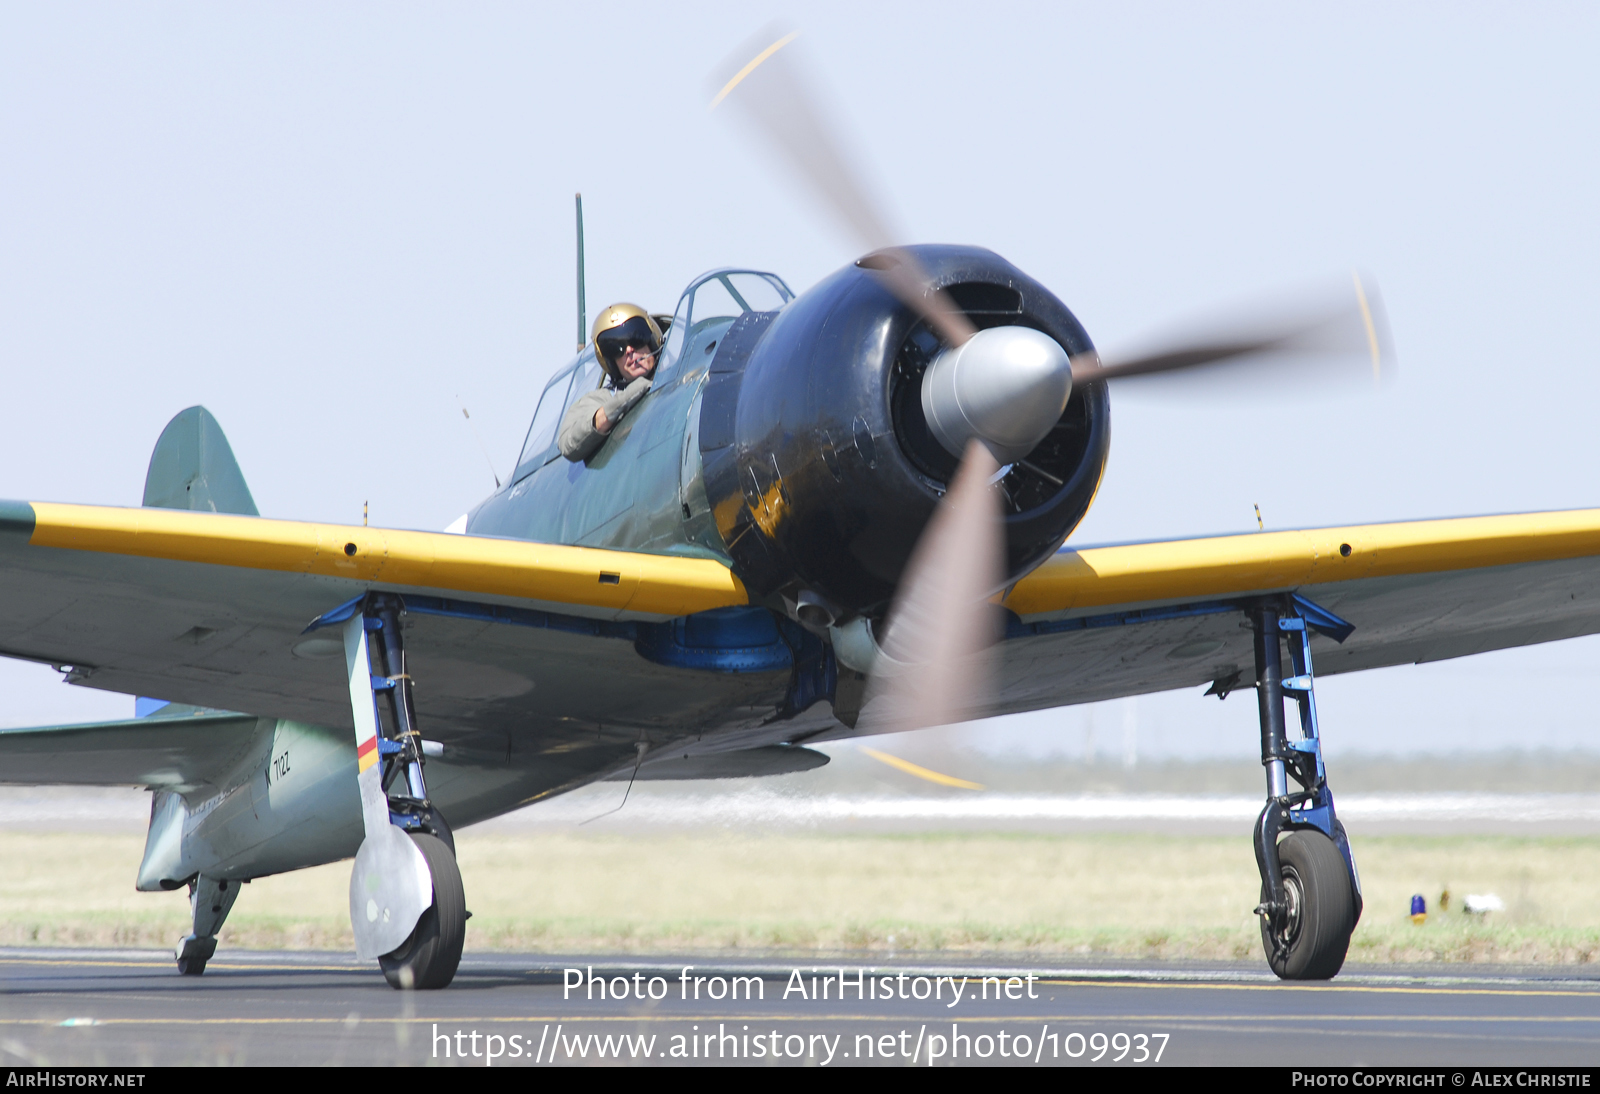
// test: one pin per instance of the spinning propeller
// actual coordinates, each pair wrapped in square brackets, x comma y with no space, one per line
[989,397]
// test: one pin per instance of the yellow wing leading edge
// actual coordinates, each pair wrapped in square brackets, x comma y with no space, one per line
[1174,571]
[1080,580]
[582,577]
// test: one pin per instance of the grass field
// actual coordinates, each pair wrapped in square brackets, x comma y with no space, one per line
[1131,895]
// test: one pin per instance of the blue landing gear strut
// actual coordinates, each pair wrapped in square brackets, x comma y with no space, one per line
[399,740]
[407,908]
[1310,891]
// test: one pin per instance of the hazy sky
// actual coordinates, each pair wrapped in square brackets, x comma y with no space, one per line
[331,222]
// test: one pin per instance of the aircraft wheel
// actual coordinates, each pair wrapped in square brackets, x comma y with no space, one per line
[191,966]
[1315,934]
[429,958]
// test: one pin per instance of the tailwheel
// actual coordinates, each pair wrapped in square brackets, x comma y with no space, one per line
[429,958]
[1309,938]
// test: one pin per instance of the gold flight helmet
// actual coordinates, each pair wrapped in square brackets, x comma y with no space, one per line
[619,326]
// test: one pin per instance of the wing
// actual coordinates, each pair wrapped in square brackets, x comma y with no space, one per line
[547,659]
[1102,622]
[210,610]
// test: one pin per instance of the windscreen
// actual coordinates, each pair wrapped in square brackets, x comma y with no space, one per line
[718,298]
[729,295]
[542,434]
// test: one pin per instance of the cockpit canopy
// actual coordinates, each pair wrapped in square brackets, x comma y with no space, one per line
[707,307]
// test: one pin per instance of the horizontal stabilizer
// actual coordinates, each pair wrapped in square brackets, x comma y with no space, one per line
[171,753]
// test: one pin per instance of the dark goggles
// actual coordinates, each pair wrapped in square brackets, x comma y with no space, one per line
[634,333]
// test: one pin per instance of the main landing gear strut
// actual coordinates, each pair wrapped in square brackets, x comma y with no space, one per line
[1310,891]
[407,908]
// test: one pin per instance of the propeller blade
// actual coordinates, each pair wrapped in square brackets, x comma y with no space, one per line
[905,277]
[769,86]
[933,669]
[1337,335]
[765,80]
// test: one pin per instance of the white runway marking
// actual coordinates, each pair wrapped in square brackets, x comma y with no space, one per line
[756,807]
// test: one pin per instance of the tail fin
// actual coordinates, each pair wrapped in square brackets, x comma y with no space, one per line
[193,468]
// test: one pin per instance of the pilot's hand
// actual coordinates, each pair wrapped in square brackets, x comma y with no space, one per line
[633,393]
[619,403]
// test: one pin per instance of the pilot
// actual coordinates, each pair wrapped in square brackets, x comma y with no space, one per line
[628,343]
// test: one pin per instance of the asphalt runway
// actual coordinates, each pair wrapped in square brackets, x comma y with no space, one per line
[131,1009]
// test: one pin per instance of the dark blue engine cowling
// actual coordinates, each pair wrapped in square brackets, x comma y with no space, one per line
[818,463]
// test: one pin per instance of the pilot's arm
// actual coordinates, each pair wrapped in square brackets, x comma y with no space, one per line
[581,434]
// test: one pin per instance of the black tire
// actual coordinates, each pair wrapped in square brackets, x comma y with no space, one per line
[191,966]
[429,958]
[1322,915]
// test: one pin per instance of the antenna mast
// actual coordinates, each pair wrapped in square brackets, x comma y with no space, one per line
[583,309]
